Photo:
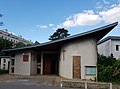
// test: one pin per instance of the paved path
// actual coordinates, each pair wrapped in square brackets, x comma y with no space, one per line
[30,82]
[22,86]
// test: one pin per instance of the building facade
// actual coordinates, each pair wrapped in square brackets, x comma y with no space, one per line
[110,46]
[71,57]
[5,62]
[15,39]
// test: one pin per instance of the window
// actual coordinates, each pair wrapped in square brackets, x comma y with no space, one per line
[117,47]
[13,62]
[90,70]
[25,58]
[4,65]
[12,70]
[4,60]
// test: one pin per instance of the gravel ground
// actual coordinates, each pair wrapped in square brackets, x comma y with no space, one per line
[39,80]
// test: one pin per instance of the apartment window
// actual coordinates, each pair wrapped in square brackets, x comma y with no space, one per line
[117,47]
[90,70]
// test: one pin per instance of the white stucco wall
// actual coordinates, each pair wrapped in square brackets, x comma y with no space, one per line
[86,48]
[21,67]
[4,65]
[105,48]
[116,53]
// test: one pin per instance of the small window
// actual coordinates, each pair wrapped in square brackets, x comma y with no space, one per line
[12,70]
[4,60]
[117,47]
[13,62]
[25,58]
[4,65]
[90,70]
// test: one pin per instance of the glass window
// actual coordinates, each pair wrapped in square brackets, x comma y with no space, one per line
[4,60]
[117,47]
[90,70]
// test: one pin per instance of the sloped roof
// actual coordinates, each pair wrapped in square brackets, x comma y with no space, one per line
[109,37]
[97,33]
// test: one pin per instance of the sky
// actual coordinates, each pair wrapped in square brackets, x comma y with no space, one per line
[36,20]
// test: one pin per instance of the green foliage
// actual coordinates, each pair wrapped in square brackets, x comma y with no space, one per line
[21,44]
[108,69]
[4,44]
[59,34]
[3,71]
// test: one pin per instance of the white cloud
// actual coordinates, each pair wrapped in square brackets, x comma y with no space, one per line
[42,26]
[45,26]
[106,2]
[89,17]
[111,15]
[80,19]
[51,25]
[98,5]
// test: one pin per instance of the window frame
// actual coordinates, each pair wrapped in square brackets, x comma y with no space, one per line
[90,70]
[25,58]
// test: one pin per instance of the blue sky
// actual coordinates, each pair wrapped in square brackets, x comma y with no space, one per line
[36,20]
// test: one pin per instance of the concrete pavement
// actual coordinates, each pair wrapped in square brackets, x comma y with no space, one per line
[16,85]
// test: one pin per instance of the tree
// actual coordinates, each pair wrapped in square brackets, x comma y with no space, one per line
[1,23]
[19,44]
[59,34]
[108,69]
[4,44]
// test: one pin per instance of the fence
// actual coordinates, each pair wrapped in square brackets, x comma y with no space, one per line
[87,85]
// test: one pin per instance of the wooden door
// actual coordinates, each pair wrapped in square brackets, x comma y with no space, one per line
[47,66]
[76,67]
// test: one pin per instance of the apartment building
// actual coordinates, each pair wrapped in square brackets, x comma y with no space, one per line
[109,45]
[15,39]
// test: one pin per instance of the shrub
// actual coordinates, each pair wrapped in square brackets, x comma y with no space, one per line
[3,71]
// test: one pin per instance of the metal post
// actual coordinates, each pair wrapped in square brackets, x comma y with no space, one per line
[85,85]
[61,83]
[110,85]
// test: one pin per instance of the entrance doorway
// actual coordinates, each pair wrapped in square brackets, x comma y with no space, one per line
[50,63]
[76,67]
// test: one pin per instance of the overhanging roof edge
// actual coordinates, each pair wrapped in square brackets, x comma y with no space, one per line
[67,38]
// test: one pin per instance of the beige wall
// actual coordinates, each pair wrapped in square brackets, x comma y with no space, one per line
[86,48]
[21,67]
